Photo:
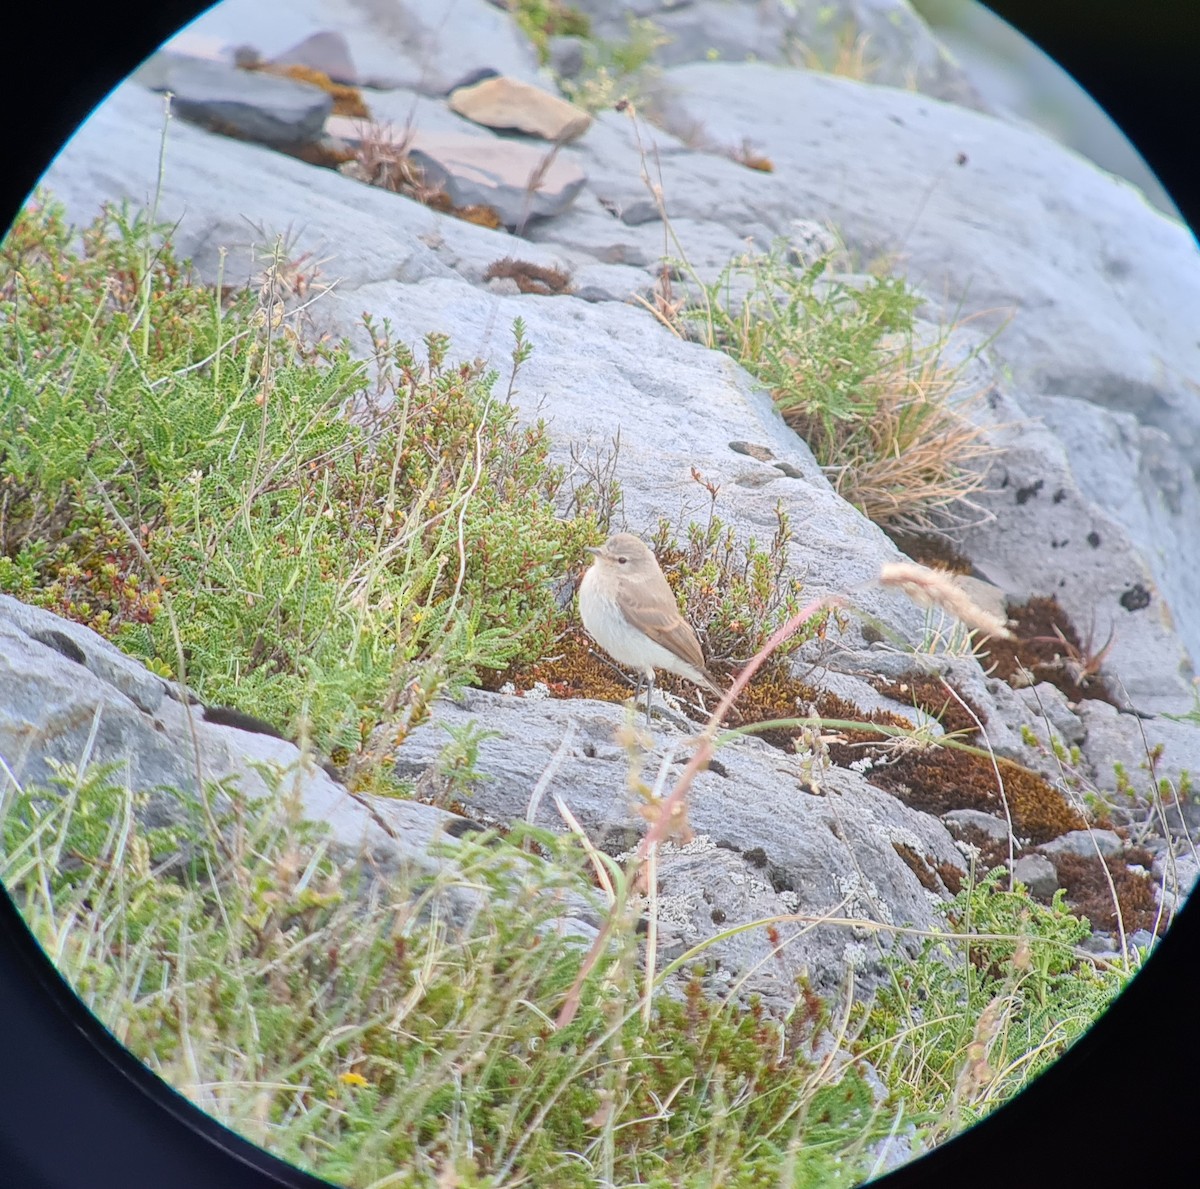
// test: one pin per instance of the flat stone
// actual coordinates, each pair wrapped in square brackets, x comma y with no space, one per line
[612,282]
[1123,741]
[431,45]
[509,105]
[762,845]
[566,55]
[247,104]
[1084,843]
[1142,939]
[1037,873]
[328,52]
[515,180]
[957,821]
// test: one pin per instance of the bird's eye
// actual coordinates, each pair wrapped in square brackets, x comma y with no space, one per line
[622,560]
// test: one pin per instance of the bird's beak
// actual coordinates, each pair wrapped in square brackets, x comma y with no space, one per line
[594,550]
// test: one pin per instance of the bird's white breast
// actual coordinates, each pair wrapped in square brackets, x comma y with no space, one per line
[607,625]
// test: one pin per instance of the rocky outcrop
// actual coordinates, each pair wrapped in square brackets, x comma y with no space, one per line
[1088,386]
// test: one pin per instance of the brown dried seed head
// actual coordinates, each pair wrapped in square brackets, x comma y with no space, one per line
[938,588]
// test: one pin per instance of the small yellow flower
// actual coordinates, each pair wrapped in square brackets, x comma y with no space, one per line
[352,1079]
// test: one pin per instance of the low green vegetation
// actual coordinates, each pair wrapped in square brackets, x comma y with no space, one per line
[329,543]
[882,412]
[180,474]
[540,20]
[735,598]
[406,1037]
[977,1016]
[401,1032]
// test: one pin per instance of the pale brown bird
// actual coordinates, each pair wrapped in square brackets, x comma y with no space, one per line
[630,611]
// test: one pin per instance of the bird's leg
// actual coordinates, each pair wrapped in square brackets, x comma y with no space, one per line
[649,692]
[623,674]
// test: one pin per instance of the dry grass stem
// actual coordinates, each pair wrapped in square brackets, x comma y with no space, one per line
[937,588]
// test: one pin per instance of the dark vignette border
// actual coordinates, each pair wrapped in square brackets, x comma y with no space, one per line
[76,1109]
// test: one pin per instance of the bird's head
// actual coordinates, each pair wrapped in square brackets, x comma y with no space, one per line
[624,554]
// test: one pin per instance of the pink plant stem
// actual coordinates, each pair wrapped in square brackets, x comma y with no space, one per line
[673,803]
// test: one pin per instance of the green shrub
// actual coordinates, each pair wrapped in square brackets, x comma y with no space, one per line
[180,473]
[882,412]
[735,598]
[974,1018]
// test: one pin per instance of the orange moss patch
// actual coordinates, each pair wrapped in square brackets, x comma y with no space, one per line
[347,101]
[1046,644]
[922,868]
[930,550]
[327,154]
[930,695]
[932,778]
[993,852]
[951,876]
[530,278]
[573,671]
[746,154]
[939,779]
[438,200]
[1089,894]
[479,214]
[773,694]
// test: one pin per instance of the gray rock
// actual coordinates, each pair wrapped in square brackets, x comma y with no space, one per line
[837,853]
[958,821]
[1042,266]
[105,662]
[1037,873]
[1177,875]
[588,228]
[885,40]
[510,105]
[429,45]
[1103,945]
[1043,536]
[1084,843]
[1159,757]
[1138,475]
[65,701]
[566,55]
[106,708]
[612,282]
[244,103]
[519,182]
[515,179]
[1142,939]
[810,241]
[1047,704]
[1004,716]
[232,201]
[326,51]
[609,369]
[1044,251]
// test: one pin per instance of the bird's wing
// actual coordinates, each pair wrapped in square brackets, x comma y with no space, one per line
[665,626]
